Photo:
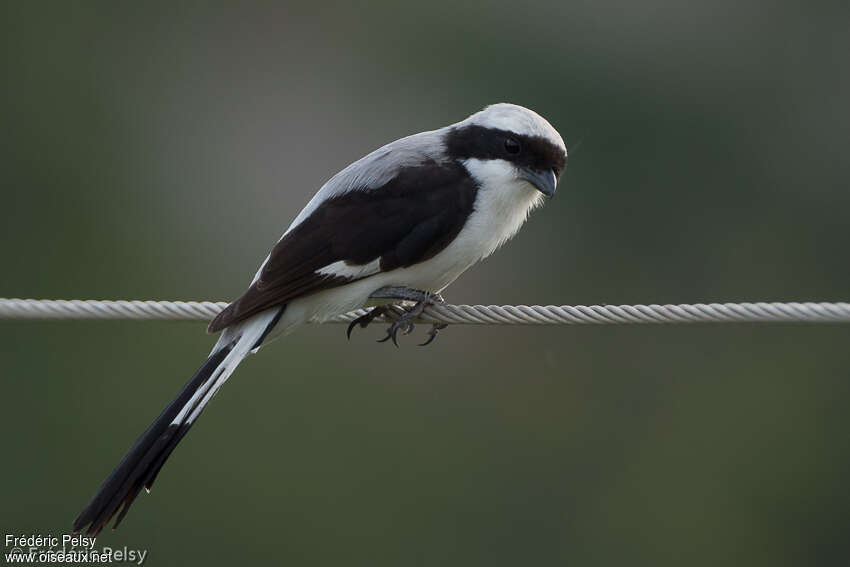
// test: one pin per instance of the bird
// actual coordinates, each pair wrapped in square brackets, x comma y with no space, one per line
[395,227]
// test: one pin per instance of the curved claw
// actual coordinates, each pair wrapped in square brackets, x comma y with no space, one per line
[364,320]
[351,328]
[391,334]
[405,326]
[432,333]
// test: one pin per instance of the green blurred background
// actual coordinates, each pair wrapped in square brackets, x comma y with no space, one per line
[159,151]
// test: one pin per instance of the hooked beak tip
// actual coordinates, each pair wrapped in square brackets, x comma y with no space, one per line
[544,181]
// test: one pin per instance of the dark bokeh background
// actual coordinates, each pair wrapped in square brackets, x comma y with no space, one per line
[158,153]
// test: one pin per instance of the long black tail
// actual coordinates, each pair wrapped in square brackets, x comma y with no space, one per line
[141,464]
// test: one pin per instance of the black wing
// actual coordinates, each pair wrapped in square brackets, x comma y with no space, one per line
[409,219]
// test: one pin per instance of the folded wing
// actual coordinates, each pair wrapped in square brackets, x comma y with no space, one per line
[356,234]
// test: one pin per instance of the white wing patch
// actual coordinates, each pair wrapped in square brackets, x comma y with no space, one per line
[343,270]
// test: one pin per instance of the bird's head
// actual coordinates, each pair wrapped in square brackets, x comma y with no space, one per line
[509,146]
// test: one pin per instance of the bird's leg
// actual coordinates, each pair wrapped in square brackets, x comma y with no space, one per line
[405,323]
[407,294]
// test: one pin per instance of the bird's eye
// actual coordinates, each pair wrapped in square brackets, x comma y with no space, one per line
[512,146]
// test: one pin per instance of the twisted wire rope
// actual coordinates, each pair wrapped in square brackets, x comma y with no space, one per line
[807,312]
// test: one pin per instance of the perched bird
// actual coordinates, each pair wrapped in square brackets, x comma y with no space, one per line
[400,224]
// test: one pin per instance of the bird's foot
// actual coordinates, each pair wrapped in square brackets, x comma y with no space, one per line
[404,323]
[407,294]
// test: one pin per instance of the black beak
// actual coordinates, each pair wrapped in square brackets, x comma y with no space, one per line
[543,180]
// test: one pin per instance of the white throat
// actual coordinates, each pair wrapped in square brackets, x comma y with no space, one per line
[502,204]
